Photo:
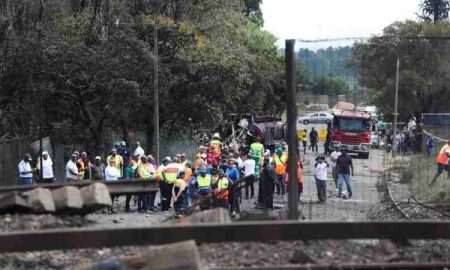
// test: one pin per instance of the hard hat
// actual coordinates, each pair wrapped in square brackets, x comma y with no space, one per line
[201,170]
[216,136]
[279,150]
[122,143]
[167,159]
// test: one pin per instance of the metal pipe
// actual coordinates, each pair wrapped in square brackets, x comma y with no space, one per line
[292,128]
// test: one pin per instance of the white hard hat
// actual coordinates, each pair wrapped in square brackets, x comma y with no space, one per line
[216,135]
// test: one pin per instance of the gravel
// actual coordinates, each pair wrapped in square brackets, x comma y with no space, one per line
[19,222]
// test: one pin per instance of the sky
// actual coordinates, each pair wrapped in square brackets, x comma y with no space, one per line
[325,19]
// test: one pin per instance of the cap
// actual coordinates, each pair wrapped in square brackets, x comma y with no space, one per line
[74,155]
[216,135]
[45,153]
[98,158]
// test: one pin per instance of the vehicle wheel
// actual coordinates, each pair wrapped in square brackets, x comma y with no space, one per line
[364,155]
[305,122]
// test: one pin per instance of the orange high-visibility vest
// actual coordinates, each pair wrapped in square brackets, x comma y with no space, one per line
[442,158]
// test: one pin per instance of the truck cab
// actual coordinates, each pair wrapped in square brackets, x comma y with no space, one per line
[351,130]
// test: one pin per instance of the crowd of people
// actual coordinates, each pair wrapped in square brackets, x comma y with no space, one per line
[218,176]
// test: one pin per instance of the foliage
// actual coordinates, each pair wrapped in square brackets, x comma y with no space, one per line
[424,67]
[434,10]
[92,62]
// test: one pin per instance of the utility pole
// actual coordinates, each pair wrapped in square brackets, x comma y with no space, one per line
[397,79]
[292,128]
[156,89]
[41,173]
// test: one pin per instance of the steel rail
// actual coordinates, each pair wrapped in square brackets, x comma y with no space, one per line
[369,266]
[212,233]
[119,187]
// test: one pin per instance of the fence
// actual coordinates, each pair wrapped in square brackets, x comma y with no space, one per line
[11,152]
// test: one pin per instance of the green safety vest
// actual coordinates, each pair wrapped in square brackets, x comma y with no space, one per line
[256,149]
[204,182]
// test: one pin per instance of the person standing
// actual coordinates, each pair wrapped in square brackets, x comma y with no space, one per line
[111,174]
[280,163]
[320,175]
[72,169]
[98,169]
[146,172]
[139,151]
[47,168]
[235,192]
[442,162]
[169,175]
[256,153]
[216,144]
[25,171]
[118,160]
[268,180]
[429,144]
[124,153]
[305,140]
[333,157]
[221,191]
[84,167]
[249,176]
[326,145]
[344,165]
[314,139]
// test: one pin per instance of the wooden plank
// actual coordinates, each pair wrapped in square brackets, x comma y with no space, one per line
[211,233]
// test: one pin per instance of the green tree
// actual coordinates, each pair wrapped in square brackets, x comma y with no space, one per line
[434,10]
[424,67]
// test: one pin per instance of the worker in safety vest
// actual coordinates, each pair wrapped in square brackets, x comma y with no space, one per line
[84,167]
[169,175]
[221,191]
[146,172]
[256,153]
[216,143]
[118,160]
[204,189]
[280,163]
[442,162]
[179,193]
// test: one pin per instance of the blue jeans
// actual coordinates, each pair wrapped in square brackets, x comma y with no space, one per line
[281,187]
[346,177]
[26,181]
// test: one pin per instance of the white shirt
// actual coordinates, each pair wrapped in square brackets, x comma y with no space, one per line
[139,152]
[240,163]
[47,168]
[111,173]
[25,167]
[71,166]
[334,156]
[249,167]
[321,171]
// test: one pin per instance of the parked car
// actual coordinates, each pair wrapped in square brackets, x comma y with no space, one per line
[319,117]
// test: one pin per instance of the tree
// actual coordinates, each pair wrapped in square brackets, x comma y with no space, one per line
[424,67]
[434,10]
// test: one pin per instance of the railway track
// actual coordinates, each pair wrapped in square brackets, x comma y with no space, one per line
[120,187]
[207,233]
[374,266]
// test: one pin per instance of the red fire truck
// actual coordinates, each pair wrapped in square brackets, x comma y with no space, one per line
[351,131]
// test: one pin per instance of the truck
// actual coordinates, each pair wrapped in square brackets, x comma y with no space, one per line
[244,129]
[351,130]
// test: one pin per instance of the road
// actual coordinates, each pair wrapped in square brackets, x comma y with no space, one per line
[363,185]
